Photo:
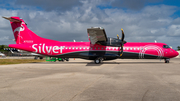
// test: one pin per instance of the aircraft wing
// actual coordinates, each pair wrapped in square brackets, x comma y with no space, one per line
[97,35]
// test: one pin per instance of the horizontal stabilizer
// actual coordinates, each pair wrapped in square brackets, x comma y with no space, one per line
[12,19]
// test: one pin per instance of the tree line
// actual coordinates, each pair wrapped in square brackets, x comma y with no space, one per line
[2,48]
[178,47]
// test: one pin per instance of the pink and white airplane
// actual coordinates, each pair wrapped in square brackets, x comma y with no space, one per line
[98,49]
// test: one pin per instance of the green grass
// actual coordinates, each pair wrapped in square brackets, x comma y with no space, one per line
[18,61]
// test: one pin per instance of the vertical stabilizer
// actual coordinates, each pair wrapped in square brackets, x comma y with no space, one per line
[22,33]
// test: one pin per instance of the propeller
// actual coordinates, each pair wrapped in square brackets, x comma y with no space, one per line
[120,53]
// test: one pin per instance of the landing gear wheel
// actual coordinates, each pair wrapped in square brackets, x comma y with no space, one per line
[67,59]
[97,61]
[166,60]
[41,58]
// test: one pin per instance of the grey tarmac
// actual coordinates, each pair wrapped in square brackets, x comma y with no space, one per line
[82,80]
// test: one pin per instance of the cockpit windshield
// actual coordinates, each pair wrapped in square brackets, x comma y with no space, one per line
[166,46]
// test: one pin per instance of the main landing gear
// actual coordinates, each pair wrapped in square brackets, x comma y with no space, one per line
[166,60]
[98,60]
[36,57]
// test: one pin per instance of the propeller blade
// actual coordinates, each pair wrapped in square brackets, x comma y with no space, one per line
[120,53]
[122,39]
[117,36]
[121,50]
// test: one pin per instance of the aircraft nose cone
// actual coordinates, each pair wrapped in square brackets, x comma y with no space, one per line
[176,53]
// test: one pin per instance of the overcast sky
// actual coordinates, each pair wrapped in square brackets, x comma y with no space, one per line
[68,20]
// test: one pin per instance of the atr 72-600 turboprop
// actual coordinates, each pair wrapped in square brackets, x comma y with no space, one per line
[99,48]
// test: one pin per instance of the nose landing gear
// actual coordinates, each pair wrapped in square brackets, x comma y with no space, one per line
[166,60]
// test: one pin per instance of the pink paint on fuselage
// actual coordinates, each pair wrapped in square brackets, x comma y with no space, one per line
[58,48]
[29,41]
[150,48]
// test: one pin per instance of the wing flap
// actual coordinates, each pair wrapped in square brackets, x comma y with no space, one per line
[97,34]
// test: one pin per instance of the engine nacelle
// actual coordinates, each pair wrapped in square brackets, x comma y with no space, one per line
[112,42]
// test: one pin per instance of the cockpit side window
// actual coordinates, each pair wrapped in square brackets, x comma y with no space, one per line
[166,46]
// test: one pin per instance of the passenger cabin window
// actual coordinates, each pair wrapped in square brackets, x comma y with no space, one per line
[166,46]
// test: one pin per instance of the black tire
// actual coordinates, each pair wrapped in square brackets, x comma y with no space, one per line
[62,59]
[67,59]
[40,57]
[97,61]
[166,60]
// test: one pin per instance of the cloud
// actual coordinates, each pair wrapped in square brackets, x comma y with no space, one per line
[64,5]
[149,24]
[132,4]
[174,31]
[50,5]
[4,38]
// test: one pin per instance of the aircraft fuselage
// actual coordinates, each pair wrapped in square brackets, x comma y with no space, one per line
[85,50]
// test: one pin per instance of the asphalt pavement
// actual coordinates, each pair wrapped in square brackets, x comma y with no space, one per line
[82,80]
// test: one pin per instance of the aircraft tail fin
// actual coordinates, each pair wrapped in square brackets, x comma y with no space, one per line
[22,33]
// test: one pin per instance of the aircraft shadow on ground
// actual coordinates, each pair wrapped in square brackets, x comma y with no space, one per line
[93,64]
